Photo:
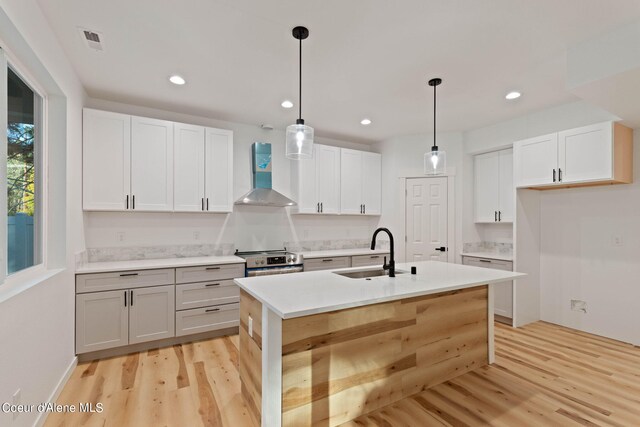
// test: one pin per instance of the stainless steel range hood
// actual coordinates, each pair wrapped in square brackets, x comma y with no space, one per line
[262,193]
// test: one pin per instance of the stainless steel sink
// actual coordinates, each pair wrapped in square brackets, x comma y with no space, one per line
[365,274]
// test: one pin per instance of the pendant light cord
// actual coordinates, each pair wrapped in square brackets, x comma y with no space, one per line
[300,84]
[434,115]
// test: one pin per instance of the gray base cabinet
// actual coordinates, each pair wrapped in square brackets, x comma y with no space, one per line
[151,314]
[502,292]
[102,321]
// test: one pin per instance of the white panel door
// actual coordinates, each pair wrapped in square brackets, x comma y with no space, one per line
[188,182]
[371,183]
[585,153]
[218,170]
[102,320]
[535,160]
[328,178]
[151,164]
[106,160]
[506,189]
[426,216]
[151,314]
[350,181]
[487,182]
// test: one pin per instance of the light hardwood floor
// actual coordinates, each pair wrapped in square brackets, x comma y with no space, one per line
[544,375]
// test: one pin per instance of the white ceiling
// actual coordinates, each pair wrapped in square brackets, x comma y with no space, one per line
[364,58]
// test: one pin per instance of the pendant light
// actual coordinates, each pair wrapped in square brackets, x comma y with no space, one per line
[299,136]
[435,161]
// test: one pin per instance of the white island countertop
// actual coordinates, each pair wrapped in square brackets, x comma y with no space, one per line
[304,294]
[148,264]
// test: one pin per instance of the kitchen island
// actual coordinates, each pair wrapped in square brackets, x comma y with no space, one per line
[322,348]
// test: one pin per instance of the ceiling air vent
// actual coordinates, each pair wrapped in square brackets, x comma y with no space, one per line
[92,39]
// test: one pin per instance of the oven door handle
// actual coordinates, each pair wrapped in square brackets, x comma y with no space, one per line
[274,271]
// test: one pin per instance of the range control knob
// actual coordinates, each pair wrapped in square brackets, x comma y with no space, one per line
[291,259]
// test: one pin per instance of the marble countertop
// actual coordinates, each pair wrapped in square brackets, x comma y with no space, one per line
[342,252]
[147,264]
[303,294]
[489,255]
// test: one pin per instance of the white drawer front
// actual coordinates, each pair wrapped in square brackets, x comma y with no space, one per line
[196,295]
[124,280]
[329,263]
[364,260]
[207,319]
[205,273]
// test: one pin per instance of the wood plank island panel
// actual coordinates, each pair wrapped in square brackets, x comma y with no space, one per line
[339,365]
[250,360]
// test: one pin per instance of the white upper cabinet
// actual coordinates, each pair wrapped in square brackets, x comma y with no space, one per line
[188,195]
[590,155]
[106,159]
[585,154]
[317,181]
[536,160]
[360,182]
[151,164]
[494,189]
[141,164]
[218,167]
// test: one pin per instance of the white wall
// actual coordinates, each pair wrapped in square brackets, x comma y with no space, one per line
[249,227]
[503,135]
[580,259]
[37,324]
[402,156]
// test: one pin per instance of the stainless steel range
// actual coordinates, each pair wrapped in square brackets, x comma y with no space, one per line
[265,263]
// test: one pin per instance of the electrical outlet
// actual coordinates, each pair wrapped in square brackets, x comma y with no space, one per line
[250,326]
[120,237]
[15,400]
[196,235]
[578,305]
[617,240]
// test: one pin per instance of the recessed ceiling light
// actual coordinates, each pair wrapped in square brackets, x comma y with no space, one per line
[365,122]
[287,104]
[513,95]
[177,80]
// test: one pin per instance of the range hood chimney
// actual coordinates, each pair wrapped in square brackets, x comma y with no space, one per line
[262,193]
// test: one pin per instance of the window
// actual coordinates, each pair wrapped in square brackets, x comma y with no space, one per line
[24,174]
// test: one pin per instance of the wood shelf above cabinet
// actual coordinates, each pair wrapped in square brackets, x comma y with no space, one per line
[595,155]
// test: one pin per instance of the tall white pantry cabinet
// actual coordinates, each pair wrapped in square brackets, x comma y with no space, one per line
[140,164]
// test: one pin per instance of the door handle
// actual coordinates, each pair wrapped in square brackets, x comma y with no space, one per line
[212,268]
[131,298]
[321,207]
[499,216]
[441,249]
[128,274]
[127,201]
[125,298]
[495,216]
[133,201]
[207,204]
[327,260]
[318,207]
[361,208]
[364,208]
[554,175]
[202,204]
[212,284]
[484,260]
[559,175]
[211,309]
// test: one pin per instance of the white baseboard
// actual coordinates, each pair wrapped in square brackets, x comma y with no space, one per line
[42,417]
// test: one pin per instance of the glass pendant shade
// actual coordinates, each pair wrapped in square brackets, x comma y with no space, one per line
[435,162]
[299,140]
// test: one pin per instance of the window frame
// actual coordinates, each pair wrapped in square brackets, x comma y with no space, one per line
[41,157]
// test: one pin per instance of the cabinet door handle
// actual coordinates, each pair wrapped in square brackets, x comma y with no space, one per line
[202,204]
[321,207]
[127,201]
[374,256]
[484,260]
[559,175]
[495,216]
[554,175]
[125,298]
[212,268]
[360,208]
[207,203]
[318,207]
[499,216]
[133,201]
[212,284]
[211,309]
[128,274]
[131,298]
[327,260]
[364,208]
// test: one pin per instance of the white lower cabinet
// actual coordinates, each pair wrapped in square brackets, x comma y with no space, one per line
[502,292]
[102,320]
[151,314]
